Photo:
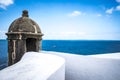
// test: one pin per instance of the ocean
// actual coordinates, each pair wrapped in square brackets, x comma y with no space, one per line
[80,47]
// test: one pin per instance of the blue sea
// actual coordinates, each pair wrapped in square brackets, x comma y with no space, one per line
[82,47]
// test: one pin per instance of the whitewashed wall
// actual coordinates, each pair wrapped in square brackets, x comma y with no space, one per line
[48,66]
[36,66]
[97,67]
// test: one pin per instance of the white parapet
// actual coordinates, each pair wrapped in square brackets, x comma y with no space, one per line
[36,66]
[95,67]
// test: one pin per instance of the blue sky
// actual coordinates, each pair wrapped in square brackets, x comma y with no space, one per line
[66,19]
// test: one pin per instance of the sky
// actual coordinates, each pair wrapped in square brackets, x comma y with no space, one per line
[66,19]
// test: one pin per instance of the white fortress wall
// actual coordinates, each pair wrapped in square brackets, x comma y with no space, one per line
[36,66]
[95,67]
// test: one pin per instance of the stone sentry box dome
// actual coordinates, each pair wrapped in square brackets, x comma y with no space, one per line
[24,35]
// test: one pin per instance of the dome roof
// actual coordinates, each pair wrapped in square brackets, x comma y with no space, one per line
[24,24]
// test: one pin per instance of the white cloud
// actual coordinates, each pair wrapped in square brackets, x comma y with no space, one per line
[118,8]
[110,11]
[5,3]
[99,15]
[75,13]
[118,1]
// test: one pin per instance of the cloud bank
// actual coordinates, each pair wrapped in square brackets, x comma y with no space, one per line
[2,34]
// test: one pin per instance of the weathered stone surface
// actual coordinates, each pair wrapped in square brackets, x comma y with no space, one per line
[24,24]
[24,35]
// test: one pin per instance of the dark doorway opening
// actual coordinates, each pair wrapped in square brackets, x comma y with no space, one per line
[31,44]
